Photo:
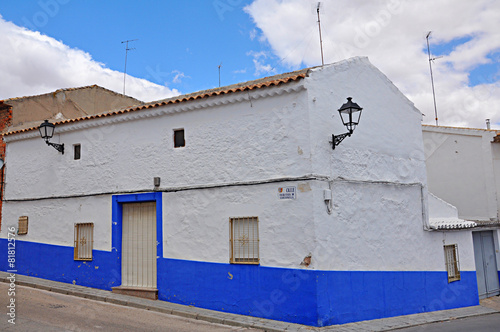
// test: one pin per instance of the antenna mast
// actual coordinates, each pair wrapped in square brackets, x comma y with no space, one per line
[126,51]
[432,78]
[219,72]
[320,41]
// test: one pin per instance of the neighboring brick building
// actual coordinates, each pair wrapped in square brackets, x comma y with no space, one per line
[5,121]
[66,104]
[25,112]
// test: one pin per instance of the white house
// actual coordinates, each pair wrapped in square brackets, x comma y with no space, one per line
[463,168]
[233,199]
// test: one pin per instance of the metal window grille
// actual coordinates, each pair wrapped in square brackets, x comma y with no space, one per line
[22,227]
[84,241]
[452,264]
[244,240]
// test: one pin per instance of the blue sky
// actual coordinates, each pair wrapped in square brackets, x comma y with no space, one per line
[174,37]
[51,44]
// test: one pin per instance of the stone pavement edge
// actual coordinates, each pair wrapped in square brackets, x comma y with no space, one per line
[488,306]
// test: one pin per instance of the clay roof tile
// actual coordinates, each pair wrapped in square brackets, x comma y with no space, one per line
[241,87]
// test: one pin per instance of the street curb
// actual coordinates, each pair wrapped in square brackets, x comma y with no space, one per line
[211,316]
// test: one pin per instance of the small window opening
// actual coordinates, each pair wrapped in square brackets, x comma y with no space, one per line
[452,264]
[244,240]
[22,227]
[77,151]
[179,138]
[84,241]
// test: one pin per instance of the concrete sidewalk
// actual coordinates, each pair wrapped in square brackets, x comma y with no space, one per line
[488,306]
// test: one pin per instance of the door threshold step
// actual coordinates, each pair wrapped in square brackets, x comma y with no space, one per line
[146,293]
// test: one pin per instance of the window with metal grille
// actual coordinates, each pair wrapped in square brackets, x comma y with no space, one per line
[22,226]
[451,259]
[84,241]
[244,240]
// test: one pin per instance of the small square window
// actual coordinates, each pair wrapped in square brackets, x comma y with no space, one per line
[179,138]
[452,265]
[22,227]
[244,240]
[84,241]
[77,148]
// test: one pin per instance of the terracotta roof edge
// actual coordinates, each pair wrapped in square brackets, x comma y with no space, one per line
[279,79]
[73,89]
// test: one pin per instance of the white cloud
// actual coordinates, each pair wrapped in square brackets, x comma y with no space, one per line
[253,34]
[32,63]
[261,67]
[392,34]
[178,76]
[240,71]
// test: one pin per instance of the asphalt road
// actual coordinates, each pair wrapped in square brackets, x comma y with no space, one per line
[39,310]
[487,323]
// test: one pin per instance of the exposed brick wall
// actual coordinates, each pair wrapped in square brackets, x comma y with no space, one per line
[5,122]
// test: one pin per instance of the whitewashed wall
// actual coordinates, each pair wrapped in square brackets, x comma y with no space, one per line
[387,144]
[461,169]
[376,222]
[52,221]
[378,177]
[242,141]
[441,209]
[495,152]
[379,227]
[372,227]
[196,223]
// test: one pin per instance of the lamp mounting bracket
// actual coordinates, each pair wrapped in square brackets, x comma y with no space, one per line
[336,139]
[58,147]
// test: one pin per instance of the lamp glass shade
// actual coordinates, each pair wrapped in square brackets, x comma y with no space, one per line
[46,130]
[350,113]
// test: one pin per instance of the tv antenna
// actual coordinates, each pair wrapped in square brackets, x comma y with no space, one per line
[432,78]
[219,72]
[320,41]
[126,52]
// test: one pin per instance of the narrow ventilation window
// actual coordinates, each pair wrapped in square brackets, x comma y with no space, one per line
[84,241]
[179,140]
[451,259]
[77,148]
[244,240]
[22,227]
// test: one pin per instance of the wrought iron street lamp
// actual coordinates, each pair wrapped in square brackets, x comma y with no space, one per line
[349,113]
[46,132]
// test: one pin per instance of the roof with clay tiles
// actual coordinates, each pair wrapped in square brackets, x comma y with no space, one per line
[240,87]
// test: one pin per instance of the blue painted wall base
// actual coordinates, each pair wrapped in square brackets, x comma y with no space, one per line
[56,263]
[316,298]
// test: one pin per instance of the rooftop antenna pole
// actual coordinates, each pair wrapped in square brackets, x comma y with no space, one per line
[432,78]
[320,41]
[219,72]
[126,51]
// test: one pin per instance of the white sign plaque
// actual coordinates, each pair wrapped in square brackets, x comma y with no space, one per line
[287,192]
